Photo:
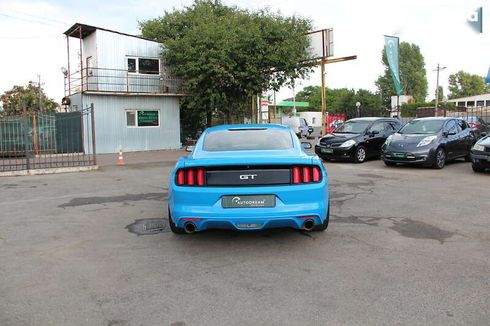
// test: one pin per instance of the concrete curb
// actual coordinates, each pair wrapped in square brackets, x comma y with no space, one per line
[49,171]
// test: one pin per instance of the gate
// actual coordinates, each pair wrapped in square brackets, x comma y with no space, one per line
[47,140]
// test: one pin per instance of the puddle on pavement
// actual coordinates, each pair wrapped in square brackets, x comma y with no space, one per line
[147,226]
[420,230]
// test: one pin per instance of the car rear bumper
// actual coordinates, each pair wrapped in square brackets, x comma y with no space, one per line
[294,205]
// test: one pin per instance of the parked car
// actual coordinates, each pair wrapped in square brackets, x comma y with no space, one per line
[480,155]
[248,177]
[429,142]
[298,124]
[357,139]
[478,125]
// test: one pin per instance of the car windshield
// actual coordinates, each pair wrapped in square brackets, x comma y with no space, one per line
[422,127]
[352,127]
[248,139]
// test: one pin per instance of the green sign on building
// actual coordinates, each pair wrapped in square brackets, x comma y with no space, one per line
[148,119]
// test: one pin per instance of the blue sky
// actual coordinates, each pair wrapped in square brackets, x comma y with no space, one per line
[32,42]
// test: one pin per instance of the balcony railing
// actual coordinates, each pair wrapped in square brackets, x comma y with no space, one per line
[104,80]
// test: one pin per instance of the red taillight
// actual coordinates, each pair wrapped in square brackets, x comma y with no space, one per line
[180,177]
[190,177]
[306,174]
[296,175]
[200,177]
[317,174]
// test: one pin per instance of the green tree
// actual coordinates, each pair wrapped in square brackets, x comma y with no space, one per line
[342,100]
[462,84]
[24,100]
[413,76]
[225,55]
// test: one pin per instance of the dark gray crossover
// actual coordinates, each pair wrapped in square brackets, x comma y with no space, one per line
[480,155]
[357,139]
[429,142]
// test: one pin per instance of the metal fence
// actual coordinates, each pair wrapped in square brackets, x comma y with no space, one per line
[47,140]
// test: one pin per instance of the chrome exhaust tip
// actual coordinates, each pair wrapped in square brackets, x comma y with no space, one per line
[308,225]
[190,227]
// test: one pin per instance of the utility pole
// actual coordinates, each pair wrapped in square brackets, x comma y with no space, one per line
[40,94]
[438,69]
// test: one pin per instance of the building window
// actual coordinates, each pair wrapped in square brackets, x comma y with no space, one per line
[143,118]
[480,103]
[131,65]
[488,103]
[145,66]
[313,120]
[461,104]
[470,103]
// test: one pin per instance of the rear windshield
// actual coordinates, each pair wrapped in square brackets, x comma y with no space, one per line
[422,127]
[247,139]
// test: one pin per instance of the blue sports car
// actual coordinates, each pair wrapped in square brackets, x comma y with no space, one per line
[248,177]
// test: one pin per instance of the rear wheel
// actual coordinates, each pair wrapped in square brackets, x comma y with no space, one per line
[174,227]
[324,225]
[440,159]
[360,154]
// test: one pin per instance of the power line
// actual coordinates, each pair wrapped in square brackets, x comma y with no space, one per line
[39,17]
[28,20]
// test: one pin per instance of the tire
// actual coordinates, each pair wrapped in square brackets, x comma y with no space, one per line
[172,225]
[477,168]
[322,227]
[389,163]
[360,154]
[440,159]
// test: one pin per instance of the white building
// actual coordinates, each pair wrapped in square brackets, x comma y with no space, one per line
[136,102]
[472,101]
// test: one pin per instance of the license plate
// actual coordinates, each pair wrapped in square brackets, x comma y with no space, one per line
[402,155]
[248,201]
[327,150]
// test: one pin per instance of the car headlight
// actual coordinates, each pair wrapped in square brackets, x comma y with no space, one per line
[478,147]
[426,141]
[348,143]
[388,140]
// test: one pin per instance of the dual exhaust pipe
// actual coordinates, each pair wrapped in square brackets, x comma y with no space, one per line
[308,225]
[190,227]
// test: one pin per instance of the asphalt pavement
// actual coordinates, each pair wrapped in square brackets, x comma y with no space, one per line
[405,246]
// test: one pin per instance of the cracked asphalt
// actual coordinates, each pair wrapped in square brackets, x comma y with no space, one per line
[405,246]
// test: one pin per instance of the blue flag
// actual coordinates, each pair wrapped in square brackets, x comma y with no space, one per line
[487,80]
[391,49]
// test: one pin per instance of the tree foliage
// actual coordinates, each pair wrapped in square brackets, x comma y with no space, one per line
[225,54]
[23,100]
[342,100]
[463,84]
[413,76]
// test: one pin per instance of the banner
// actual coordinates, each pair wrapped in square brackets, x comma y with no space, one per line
[487,80]
[333,121]
[391,49]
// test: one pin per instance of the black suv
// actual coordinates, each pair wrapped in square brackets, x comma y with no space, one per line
[357,139]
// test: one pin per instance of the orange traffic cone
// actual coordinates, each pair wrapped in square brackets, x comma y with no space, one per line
[120,159]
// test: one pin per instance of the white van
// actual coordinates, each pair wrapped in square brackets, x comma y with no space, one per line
[298,124]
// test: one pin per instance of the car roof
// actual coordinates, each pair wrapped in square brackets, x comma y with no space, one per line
[247,127]
[437,118]
[372,119]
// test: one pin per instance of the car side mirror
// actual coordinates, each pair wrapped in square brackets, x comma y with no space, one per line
[189,148]
[305,145]
[373,133]
[484,133]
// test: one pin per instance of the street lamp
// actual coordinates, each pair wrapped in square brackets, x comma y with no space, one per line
[358,106]
[439,68]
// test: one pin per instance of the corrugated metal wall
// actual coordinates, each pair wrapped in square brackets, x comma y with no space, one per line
[111,129]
